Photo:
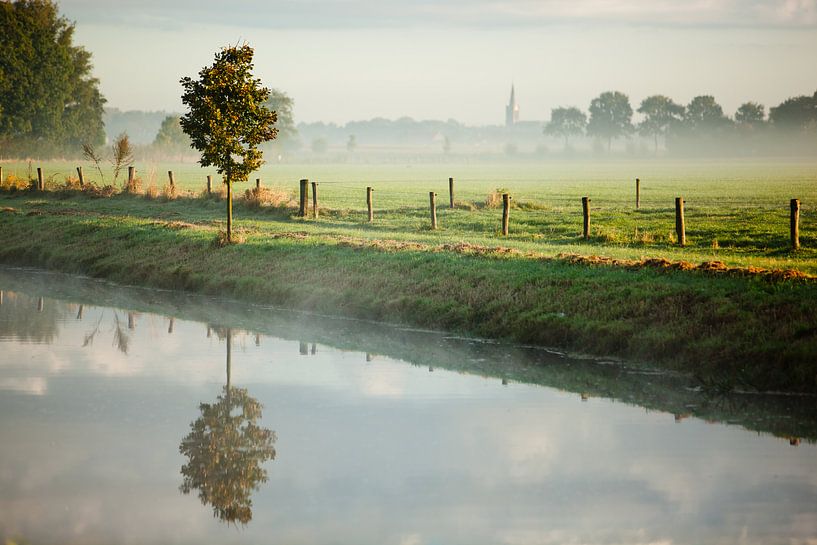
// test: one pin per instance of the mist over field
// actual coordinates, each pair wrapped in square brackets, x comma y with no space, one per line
[432,81]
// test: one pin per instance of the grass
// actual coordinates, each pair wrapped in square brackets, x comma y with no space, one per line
[735,212]
[746,330]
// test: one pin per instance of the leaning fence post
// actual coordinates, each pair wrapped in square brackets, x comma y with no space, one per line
[432,198]
[506,210]
[586,217]
[303,199]
[40,182]
[680,228]
[171,178]
[80,176]
[315,200]
[209,185]
[795,224]
[369,203]
[637,193]
[451,192]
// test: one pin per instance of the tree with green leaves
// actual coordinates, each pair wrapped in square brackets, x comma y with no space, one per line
[281,103]
[751,114]
[227,118]
[566,122]
[660,112]
[796,113]
[49,102]
[225,450]
[610,117]
[703,114]
[170,137]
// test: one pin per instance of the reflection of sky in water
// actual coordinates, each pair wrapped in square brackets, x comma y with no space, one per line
[377,452]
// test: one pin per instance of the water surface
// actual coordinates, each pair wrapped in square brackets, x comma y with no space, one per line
[143,416]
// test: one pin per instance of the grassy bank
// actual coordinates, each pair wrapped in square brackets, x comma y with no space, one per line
[728,329]
[785,416]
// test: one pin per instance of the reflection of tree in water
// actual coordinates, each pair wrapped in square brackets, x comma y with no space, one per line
[225,449]
[30,319]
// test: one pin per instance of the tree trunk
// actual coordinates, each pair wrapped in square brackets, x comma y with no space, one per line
[229,357]
[229,208]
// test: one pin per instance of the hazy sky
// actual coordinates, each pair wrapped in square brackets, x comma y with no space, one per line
[345,60]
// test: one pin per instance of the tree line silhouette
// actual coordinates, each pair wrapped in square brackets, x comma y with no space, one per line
[694,127]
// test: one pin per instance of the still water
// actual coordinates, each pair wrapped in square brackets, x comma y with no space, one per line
[142,416]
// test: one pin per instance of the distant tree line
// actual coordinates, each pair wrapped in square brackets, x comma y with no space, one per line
[697,127]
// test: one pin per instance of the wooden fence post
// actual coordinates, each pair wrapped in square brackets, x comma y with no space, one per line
[1,175]
[369,203]
[315,200]
[40,304]
[303,200]
[795,224]
[80,176]
[432,198]
[506,211]
[258,185]
[586,217]
[451,192]
[40,182]
[171,178]
[209,185]
[131,176]
[680,227]
[637,193]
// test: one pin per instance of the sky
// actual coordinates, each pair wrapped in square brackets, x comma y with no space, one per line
[345,60]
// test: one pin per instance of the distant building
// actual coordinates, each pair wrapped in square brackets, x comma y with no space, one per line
[512,110]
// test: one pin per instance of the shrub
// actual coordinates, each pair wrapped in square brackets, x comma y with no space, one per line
[266,196]
[13,183]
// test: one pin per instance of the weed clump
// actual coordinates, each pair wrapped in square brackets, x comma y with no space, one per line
[221,239]
[494,198]
[169,192]
[133,187]
[152,192]
[259,197]
[15,183]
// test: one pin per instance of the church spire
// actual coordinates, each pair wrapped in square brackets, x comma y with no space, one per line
[512,109]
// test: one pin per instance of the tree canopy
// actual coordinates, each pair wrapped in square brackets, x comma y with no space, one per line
[170,137]
[225,449]
[49,102]
[281,103]
[227,118]
[703,113]
[660,113]
[610,116]
[796,113]
[566,122]
[750,113]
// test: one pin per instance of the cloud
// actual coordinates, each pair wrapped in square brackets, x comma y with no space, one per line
[356,14]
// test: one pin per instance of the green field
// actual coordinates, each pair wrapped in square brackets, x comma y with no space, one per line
[736,212]
[733,330]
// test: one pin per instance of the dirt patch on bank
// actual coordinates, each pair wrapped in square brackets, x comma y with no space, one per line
[710,267]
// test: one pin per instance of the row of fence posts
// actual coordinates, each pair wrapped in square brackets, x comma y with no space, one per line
[303,208]
[680,223]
